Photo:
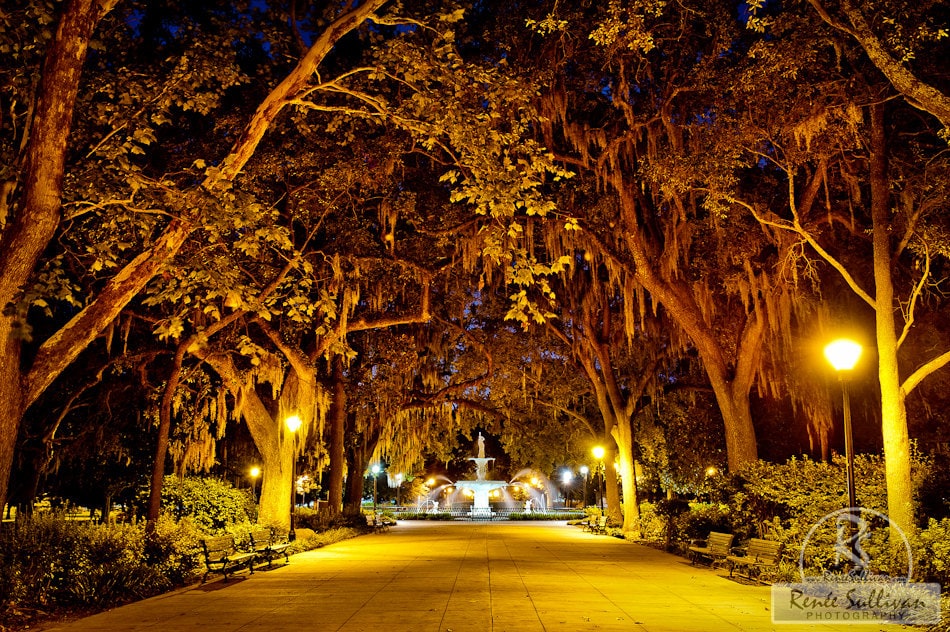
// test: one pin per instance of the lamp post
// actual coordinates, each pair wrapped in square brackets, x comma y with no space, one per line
[375,470]
[255,472]
[293,424]
[843,354]
[567,477]
[585,471]
[598,453]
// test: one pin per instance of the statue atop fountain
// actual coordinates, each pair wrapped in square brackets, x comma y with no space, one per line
[481,461]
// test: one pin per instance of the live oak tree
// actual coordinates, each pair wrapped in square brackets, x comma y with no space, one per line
[33,199]
[620,352]
[631,121]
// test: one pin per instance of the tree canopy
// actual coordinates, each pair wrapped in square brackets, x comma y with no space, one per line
[402,222]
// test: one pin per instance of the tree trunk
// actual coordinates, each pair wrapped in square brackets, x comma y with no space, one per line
[623,435]
[107,508]
[363,444]
[731,380]
[900,499]
[612,488]
[733,400]
[276,447]
[356,466]
[161,445]
[32,226]
[337,420]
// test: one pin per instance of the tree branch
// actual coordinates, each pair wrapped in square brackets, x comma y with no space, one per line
[919,94]
[922,372]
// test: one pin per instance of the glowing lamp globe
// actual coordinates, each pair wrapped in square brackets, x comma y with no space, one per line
[843,354]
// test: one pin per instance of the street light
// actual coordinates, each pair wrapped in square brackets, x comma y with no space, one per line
[585,470]
[598,453]
[567,477]
[843,354]
[293,424]
[255,472]
[375,470]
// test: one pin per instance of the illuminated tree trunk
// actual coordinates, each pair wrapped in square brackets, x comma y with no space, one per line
[356,466]
[615,508]
[616,407]
[900,499]
[161,448]
[276,445]
[623,435]
[361,445]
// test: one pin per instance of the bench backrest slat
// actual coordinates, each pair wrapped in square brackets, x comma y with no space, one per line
[261,536]
[719,542]
[217,547]
[764,549]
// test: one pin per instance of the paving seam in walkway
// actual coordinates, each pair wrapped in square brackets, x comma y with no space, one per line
[511,558]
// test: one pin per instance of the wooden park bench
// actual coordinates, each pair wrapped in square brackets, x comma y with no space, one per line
[596,524]
[266,546]
[761,558]
[222,556]
[375,522]
[716,548]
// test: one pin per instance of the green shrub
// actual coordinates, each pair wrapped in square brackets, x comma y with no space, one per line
[652,524]
[214,505]
[51,564]
[323,520]
[932,554]
[702,518]
[174,548]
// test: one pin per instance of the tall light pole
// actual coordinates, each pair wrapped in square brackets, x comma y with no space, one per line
[567,477]
[584,471]
[254,472]
[375,470]
[843,354]
[598,453]
[293,425]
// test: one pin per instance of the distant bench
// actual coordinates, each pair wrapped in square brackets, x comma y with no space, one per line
[761,557]
[716,549]
[266,546]
[596,524]
[376,522]
[222,556]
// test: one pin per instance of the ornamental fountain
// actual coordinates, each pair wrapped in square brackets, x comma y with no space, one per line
[481,488]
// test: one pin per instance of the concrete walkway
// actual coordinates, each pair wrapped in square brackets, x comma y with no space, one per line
[464,577]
